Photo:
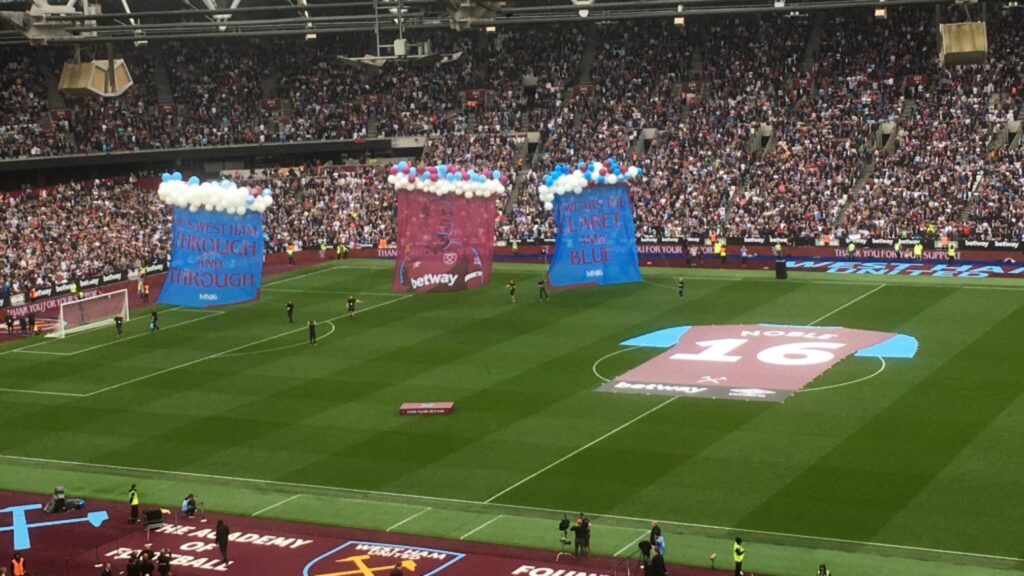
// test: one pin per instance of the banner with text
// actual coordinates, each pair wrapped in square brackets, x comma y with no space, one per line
[216,258]
[445,242]
[595,243]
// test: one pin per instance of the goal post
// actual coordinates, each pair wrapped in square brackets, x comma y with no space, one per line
[91,312]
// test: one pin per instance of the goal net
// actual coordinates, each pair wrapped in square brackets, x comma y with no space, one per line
[91,312]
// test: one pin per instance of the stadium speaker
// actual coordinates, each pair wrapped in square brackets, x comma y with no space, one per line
[964,43]
[780,269]
[85,79]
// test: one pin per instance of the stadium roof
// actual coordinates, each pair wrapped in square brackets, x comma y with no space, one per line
[92,21]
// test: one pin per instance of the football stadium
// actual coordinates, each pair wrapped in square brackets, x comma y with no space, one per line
[520,287]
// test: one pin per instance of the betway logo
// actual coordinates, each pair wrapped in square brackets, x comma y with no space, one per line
[654,387]
[976,243]
[434,279]
[1007,244]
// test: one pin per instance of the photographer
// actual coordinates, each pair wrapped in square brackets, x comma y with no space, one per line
[188,505]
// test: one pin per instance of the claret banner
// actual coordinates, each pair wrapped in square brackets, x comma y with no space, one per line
[216,258]
[445,242]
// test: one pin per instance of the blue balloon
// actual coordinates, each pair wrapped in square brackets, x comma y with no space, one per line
[250,199]
[639,171]
[176,176]
[225,184]
[549,180]
[618,171]
[496,174]
[600,179]
[588,175]
[402,165]
[581,165]
[412,171]
[267,192]
[442,169]
[193,181]
[165,176]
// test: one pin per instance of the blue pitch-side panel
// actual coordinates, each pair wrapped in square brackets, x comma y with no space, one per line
[899,346]
[665,338]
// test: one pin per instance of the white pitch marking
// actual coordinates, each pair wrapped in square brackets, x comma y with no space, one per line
[285,347]
[578,450]
[210,314]
[44,392]
[416,515]
[606,356]
[850,303]
[334,292]
[351,265]
[23,351]
[272,506]
[229,351]
[631,543]
[861,379]
[480,527]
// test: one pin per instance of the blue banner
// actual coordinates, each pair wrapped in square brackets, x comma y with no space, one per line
[216,258]
[595,242]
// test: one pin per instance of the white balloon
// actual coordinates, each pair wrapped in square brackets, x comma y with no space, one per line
[548,205]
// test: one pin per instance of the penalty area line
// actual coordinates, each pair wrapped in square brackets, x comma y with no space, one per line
[631,543]
[400,522]
[228,351]
[578,450]
[480,527]
[272,506]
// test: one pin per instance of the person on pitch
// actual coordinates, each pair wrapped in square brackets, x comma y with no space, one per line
[312,332]
[350,305]
[511,290]
[133,501]
[153,326]
[738,552]
[681,287]
[119,324]
[290,309]
[542,286]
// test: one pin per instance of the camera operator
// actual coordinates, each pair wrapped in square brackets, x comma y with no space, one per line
[656,567]
[580,535]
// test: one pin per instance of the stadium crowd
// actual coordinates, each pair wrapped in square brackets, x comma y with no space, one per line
[78,230]
[756,125]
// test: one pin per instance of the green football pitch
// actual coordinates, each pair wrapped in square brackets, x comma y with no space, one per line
[912,469]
